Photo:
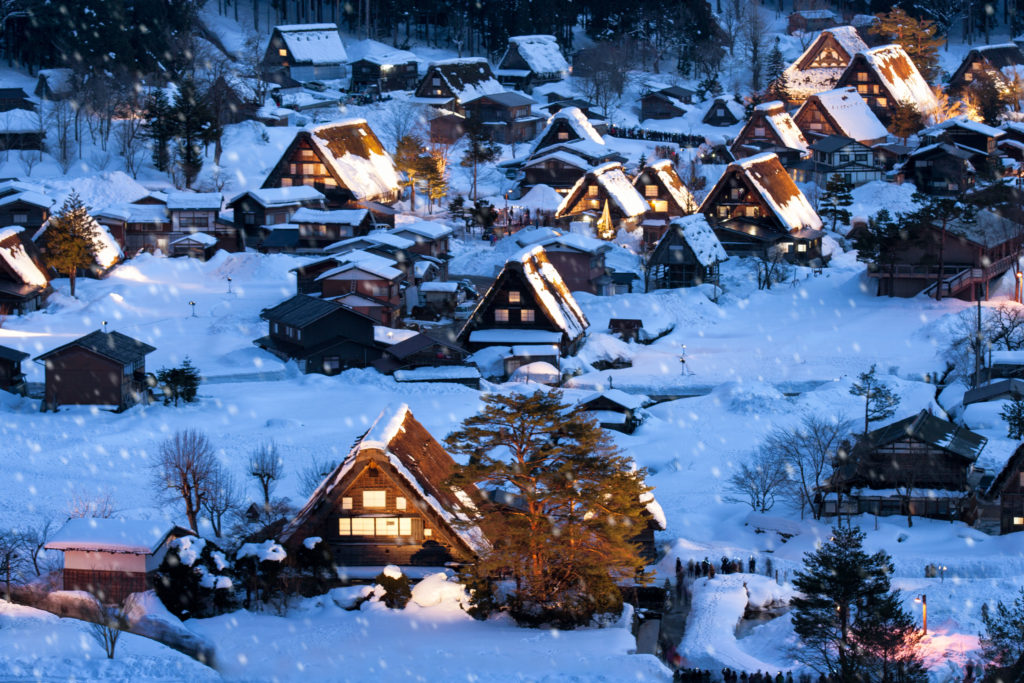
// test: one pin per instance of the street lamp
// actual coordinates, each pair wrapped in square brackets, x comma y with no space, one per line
[193,305]
[229,285]
[942,574]
[923,599]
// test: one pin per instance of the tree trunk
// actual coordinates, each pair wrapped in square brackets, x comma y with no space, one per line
[71,276]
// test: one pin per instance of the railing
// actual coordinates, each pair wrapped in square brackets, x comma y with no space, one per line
[959,277]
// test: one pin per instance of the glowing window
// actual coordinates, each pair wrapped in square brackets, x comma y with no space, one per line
[650,191]
[514,297]
[282,52]
[346,503]
[399,503]
[375,499]
[362,526]
[526,315]
[501,315]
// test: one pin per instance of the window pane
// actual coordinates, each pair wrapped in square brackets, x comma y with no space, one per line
[344,526]
[346,503]
[526,315]
[405,526]
[501,315]
[387,526]
[513,297]
[375,499]
[400,503]
[362,526]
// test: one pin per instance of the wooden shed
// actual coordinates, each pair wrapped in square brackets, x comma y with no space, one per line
[12,379]
[1008,491]
[101,368]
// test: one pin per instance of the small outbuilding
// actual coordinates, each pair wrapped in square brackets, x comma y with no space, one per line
[615,409]
[12,379]
[113,558]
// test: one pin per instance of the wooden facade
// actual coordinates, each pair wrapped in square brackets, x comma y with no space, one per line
[604,190]
[323,337]
[388,503]
[886,76]
[942,169]
[834,155]
[770,128]
[839,112]
[448,84]
[304,52]
[1007,490]
[424,350]
[581,265]
[675,263]
[12,378]
[101,368]
[997,62]
[667,103]
[507,117]
[723,112]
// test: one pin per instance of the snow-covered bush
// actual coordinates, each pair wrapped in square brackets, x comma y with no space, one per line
[395,586]
[195,579]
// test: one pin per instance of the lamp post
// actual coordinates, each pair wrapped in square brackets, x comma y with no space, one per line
[923,599]
[942,574]
[193,305]
[229,285]
[1018,292]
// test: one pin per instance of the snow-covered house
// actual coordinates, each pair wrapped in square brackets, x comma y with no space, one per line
[568,124]
[605,196]
[1007,490]
[819,67]
[388,502]
[12,378]
[755,205]
[21,129]
[344,160]
[107,252]
[770,128]
[809,20]
[687,255]
[723,112]
[101,368]
[942,168]
[198,245]
[667,196]
[429,238]
[55,84]
[24,278]
[364,282]
[378,65]
[530,61]
[321,336]
[113,558]
[423,350]
[885,76]
[253,209]
[304,52]
[528,303]
[506,116]
[138,226]
[840,112]
[856,163]
[451,83]
[965,133]
[615,409]
[313,231]
[15,98]
[23,204]
[200,212]
[1003,63]
[919,465]
[666,103]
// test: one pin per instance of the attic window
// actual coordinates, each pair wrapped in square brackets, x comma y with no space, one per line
[375,499]
[526,315]
[346,503]
[283,52]
[650,191]
[514,297]
[563,135]
[501,315]
[592,191]
[399,503]
[882,102]
[862,76]
[759,132]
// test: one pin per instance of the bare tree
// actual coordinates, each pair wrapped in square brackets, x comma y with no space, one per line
[313,474]
[601,72]
[34,539]
[771,267]
[754,36]
[184,470]
[222,499]
[807,452]
[110,622]
[400,120]
[758,481]
[731,20]
[61,123]
[12,559]
[1004,326]
[266,468]
[99,504]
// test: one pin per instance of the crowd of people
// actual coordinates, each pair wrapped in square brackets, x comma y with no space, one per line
[637,133]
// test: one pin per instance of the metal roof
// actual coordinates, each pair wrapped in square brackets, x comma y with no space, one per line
[301,310]
[114,345]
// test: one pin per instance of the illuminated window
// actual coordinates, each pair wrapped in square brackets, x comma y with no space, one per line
[362,526]
[514,297]
[882,102]
[592,191]
[346,503]
[659,205]
[968,76]
[526,315]
[282,52]
[862,89]
[1022,479]
[1018,521]
[563,135]
[344,526]
[387,526]
[801,247]
[375,499]
[501,315]
[428,532]
[650,191]
[399,503]
[862,76]
[750,211]
[759,132]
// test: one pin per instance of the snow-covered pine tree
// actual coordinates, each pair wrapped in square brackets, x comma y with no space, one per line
[836,200]
[775,73]
[879,400]
[69,241]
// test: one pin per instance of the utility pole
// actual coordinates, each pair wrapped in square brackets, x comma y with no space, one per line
[977,348]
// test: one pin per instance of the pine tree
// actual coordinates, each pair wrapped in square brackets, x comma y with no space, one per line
[916,36]
[479,149]
[458,211]
[879,401]
[845,605]
[1013,416]
[836,199]
[567,539]
[879,244]
[1003,641]
[775,71]
[409,155]
[194,128]
[159,128]
[69,241]
[179,383]
[888,637]
[905,120]
[436,174]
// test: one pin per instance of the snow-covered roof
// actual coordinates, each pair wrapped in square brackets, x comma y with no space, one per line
[444,287]
[135,213]
[576,120]
[851,114]
[782,123]
[313,43]
[558,155]
[358,158]
[965,123]
[806,81]
[612,178]
[20,121]
[420,460]
[267,551]
[771,181]
[630,401]
[513,336]
[537,371]
[281,196]
[441,372]
[541,53]
[552,293]
[666,173]
[13,254]
[29,197]
[135,536]
[334,217]
[576,241]
[904,82]
[59,81]
[542,197]
[379,53]
[108,251]
[701,239]
[194,201]
[374,266]
[467,77]
[199,237]
[429,229]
